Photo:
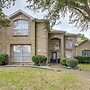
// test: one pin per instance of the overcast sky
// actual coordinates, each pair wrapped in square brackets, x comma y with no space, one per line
[64,26]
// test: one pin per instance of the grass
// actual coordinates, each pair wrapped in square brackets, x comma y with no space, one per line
[84,67]
[26,78]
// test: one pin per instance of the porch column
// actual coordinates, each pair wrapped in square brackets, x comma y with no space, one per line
[62,48]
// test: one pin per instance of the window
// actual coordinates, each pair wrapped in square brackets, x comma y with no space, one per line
[69,54]
[86,52]
[55,44]
[20,27]
[21,53]
[69,44]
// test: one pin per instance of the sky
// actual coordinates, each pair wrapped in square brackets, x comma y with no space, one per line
[64,25]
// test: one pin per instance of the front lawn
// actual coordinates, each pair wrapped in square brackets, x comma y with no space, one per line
[26,78]
[84,67]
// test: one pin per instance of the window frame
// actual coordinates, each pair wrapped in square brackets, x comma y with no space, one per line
[85,52]
[21,53]
[55,44]
[69,46]
[20,31]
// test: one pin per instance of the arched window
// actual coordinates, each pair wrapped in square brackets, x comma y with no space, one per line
[55,44]
[20,27]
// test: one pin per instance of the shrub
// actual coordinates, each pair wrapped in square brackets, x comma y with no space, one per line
[3,59]
[39,59]
[83,59]
[72,63]
[63,61]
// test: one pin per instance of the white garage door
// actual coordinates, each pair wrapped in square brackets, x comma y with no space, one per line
[21,53]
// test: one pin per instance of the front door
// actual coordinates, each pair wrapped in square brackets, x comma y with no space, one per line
[54,57]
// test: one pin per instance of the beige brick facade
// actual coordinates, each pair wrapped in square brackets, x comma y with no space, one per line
[39,39]
[82,46]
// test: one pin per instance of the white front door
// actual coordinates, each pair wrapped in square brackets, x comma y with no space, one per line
[21,53]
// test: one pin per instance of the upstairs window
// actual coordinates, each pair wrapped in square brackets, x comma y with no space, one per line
[20,27]
[69,44]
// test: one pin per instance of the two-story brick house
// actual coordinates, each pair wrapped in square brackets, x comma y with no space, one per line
[27,36]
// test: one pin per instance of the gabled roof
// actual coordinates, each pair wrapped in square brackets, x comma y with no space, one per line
[18,12]
[22,12]
[79,43]
[71,34]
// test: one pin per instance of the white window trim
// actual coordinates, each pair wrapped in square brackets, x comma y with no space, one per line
[19,31]
[21,60]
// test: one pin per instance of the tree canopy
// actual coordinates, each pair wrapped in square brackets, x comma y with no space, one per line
[79,10]
[82,36]
[4,21]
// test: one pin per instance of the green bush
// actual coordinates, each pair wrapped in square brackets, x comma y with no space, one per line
[83,59]
[72,63]
[63,61]
[3,59]
[39,59]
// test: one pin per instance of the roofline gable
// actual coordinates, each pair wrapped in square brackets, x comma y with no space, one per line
[20,11]
[82,42]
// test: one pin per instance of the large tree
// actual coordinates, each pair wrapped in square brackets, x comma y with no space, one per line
[4,21]
[79,10]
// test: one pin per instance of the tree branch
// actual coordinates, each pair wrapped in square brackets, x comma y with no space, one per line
[83,14]
[84,8]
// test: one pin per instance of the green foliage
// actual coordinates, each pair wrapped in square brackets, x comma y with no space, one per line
[4,22]
[79,10]
[46,24]
[3,59]
[84,67]
[63,61]
[72,63]
[83,59]
[82,36]
[39,59]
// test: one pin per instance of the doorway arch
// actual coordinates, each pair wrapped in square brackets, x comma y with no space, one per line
[55,50]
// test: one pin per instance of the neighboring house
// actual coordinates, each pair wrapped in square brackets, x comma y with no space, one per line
[27,36]
[83,48]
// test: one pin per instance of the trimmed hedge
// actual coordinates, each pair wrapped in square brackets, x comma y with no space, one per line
[3,59]
[39,59]
[83,59]
[63,61]
[72,62]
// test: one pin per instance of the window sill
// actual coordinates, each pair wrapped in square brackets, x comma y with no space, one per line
[20,35]
[21,61]
[69,48]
